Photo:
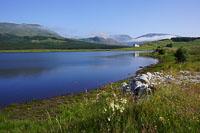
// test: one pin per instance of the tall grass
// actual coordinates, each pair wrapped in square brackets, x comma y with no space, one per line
[169,109]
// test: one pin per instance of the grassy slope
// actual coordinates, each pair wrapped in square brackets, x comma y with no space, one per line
[73,50]
[26,30]
[156,44]
[12,42]
[172,108]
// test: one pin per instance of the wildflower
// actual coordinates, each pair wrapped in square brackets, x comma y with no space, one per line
[123,101]
[122,109]
[161,119]
[108,118]
[112,105]
[117,106]
[105,109]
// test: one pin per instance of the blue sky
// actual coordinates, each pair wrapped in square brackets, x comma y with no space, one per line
[94,17]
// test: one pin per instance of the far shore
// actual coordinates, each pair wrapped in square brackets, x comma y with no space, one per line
[73,50]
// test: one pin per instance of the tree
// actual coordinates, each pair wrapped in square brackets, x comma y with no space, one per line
[181,55]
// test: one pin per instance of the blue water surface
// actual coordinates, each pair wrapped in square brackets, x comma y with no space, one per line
[28,76]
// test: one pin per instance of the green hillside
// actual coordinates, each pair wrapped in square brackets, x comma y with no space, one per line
[174,42]
[13,42]
[26,30]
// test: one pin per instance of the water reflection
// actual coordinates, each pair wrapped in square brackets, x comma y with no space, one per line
[25,72]
[136,54]
[28,76]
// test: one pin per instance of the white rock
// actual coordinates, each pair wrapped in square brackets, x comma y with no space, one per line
[124,84]
[136,84]
[143,79]
[149,75]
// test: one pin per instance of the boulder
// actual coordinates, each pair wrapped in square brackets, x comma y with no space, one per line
[143,89]
[149,75]
[143,78]
[135,85]
[124,86]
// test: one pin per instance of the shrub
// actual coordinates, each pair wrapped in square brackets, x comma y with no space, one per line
[181,55]
[169,45]
[161,51]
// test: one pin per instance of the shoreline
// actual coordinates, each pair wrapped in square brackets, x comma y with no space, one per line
[67,96]
[173,106]
[73,50]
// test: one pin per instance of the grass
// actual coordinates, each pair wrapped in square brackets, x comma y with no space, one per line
[75,50]
[12,42]
[155,44]
[172,108]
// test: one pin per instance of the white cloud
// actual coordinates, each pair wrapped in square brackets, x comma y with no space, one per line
[154,38]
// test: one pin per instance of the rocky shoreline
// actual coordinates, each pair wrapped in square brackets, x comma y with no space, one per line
[145,84]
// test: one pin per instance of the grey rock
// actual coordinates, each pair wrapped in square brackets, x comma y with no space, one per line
[149,75]
[143,78]
[136,84]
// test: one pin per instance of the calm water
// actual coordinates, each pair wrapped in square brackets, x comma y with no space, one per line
[28,76]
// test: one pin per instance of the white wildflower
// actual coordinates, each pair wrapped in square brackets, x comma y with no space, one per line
[117,106]
[123,101]
[112,105]
[105,109]
[122,109]
[161,119]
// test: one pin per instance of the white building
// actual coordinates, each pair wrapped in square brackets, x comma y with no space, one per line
[136,45]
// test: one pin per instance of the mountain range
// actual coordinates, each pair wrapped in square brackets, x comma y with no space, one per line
[26,30]
[101,40]
[121,39]
[116,39]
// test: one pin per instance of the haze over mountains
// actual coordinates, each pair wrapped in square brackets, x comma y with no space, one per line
[34,36]
[152,37]
[101,40]
[117,39]
[26,30]
[128,40]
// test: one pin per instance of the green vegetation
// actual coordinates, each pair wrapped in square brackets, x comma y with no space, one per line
[162,52]
[184,39]
[169,45]
[13,42]
[181,55]
[72,50]
[171,108]
[166,43]
[26,30]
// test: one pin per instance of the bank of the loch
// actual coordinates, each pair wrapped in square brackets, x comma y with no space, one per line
[172,107]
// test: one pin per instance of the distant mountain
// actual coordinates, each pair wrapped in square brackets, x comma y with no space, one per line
[122,39]
[26,30]
[151,37]
[101,40]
